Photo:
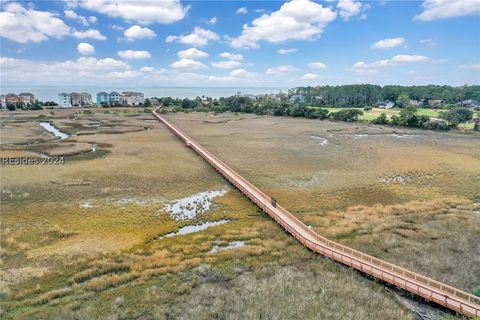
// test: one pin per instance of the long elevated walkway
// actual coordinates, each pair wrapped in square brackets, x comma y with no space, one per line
[431,290]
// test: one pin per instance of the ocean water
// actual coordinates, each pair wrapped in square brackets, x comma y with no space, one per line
[50,93]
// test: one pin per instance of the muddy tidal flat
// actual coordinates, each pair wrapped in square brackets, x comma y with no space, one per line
[133,224]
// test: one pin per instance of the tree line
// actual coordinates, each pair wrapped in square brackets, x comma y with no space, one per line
[408,116]
[360,95]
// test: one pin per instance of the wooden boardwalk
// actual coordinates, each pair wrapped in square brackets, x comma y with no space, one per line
[429,289]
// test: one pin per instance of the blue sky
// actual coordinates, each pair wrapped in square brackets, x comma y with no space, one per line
[232,43]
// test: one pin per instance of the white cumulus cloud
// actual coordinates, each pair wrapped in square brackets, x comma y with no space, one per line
[231,56]
[295,20]
[143,11]
[70,14]
[85,49]
[242,73]
[82,70]
[472,67]
[310,76]
[188,64]
[444,9]
[138,32]
[23,25]
[317,65]
[132,54]
[388,43]
[428,42]
[192,53]
[361,67]
[242,10]
[199,37]
[351,8]
[90,33]
[280,70]
[286,51]
[229,64]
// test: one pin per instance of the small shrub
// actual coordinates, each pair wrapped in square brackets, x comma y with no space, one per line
[52,295]
[367,108]
[110,281]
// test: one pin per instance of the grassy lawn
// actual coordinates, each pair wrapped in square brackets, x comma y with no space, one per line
[375,112]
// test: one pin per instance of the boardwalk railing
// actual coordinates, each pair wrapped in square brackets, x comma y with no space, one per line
[431,290]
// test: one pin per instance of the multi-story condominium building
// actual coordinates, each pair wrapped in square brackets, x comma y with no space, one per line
[27,98]
[115,98]
[75,99]
[64,100]
[133,98]
[85,98]
[12,98]
[3,101]
[103,98]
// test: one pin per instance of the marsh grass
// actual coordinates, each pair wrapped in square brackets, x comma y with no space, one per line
[110,251]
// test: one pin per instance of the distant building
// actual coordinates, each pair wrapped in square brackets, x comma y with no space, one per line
[470,103]
[115,98]
[103,98]
[154,102]
[436,103]
[75,99]
[27,98]
[415,103]
[12,98]
[86,99]
[298,98]
[64,100]
[3,101]
[133,98]
[388,105]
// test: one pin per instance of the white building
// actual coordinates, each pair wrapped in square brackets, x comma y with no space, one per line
[115,98]
[64,100]
[27,98]
[3,101]
[388,105]
[133,98]
[297,98]
[75,99]
[86,99]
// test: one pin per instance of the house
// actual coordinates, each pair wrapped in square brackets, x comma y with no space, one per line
[102,98]
[133,98]
[3,101]
[388,105]
[470,103]
[115,98]
[12,98]
[27,98]
[435,103]
[85,99]
[64,100]
[297,98]
[75,99]
[154,102]
[415,103]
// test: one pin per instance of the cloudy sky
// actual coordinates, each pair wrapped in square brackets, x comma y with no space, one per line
[247,43]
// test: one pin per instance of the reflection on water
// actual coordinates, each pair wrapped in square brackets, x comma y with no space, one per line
[190,207]
[231,245]
[50,128]
[194,228]
[321,141]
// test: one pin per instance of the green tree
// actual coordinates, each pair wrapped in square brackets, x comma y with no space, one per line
[348,115]
[456,116]
[382,119]
[403,101]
